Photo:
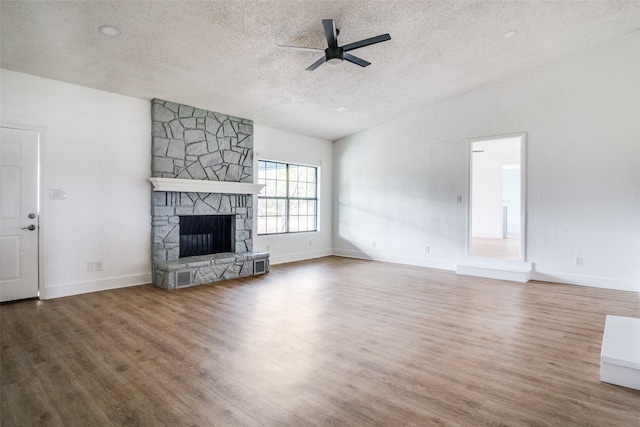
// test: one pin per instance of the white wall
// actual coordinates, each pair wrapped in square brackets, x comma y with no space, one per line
[282,146]
[486,199]
[396,184]
[97,149]
[511,189]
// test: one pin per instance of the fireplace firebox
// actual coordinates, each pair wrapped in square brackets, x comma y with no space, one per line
[206,234]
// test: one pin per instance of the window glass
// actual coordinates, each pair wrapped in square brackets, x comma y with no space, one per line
[288,203]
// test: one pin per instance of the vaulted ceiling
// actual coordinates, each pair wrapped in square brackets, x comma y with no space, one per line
[222,55]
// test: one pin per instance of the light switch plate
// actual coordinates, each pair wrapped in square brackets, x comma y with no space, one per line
[57,194]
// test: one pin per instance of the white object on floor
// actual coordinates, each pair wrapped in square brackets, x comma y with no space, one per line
[620,354]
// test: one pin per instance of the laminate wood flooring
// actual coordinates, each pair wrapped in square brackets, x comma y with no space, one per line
[332,341]
[508,248]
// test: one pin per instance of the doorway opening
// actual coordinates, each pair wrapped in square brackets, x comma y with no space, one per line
[497,198]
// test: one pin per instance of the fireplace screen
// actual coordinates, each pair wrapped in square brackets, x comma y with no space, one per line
[206,234]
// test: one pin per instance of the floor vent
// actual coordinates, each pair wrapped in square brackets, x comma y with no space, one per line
[183,278]
[259,266]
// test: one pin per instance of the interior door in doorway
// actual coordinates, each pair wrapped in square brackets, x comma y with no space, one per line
[18,214]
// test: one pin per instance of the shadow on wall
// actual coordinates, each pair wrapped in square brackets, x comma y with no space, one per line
[366,234]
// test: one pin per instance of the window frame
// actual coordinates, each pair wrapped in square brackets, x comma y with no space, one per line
[288,199]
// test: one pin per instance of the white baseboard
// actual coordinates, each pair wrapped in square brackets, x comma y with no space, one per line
[95,285]
[420,262]
[298,256]
[591,281]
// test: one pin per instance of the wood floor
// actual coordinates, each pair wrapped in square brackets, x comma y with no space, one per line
[332,341]
[508,248]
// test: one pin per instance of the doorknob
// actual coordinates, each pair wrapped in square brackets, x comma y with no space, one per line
[31,227]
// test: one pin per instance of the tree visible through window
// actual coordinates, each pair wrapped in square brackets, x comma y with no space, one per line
[289,201]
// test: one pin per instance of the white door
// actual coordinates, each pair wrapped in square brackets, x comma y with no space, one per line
[18,214]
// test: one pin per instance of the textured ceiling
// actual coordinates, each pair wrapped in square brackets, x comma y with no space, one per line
[222,55]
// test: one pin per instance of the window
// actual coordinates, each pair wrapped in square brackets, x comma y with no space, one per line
[289,201]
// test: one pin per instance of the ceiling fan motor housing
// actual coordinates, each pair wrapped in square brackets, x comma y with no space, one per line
[334,56]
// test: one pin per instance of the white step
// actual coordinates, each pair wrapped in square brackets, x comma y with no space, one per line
[620,354]
[515,271]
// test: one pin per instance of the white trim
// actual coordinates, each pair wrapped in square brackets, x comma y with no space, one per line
[523,196]
[201,186]
[590,281]
[98,285]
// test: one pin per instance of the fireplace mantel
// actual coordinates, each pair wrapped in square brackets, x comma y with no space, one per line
[199,186]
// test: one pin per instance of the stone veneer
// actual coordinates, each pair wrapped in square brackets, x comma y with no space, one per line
[190,143]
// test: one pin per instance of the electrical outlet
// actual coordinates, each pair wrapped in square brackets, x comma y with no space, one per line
[268,248]
[310,243]
[579,262]
[373,243]
[427,249]
[94,266]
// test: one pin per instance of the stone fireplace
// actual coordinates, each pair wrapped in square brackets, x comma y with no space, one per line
[202,172]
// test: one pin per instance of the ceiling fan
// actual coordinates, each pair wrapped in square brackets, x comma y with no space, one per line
[334,54]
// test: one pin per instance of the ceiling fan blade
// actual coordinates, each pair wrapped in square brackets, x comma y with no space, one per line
[308,49]
[356,60]
[366,42]
[316,64]
[330,33]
